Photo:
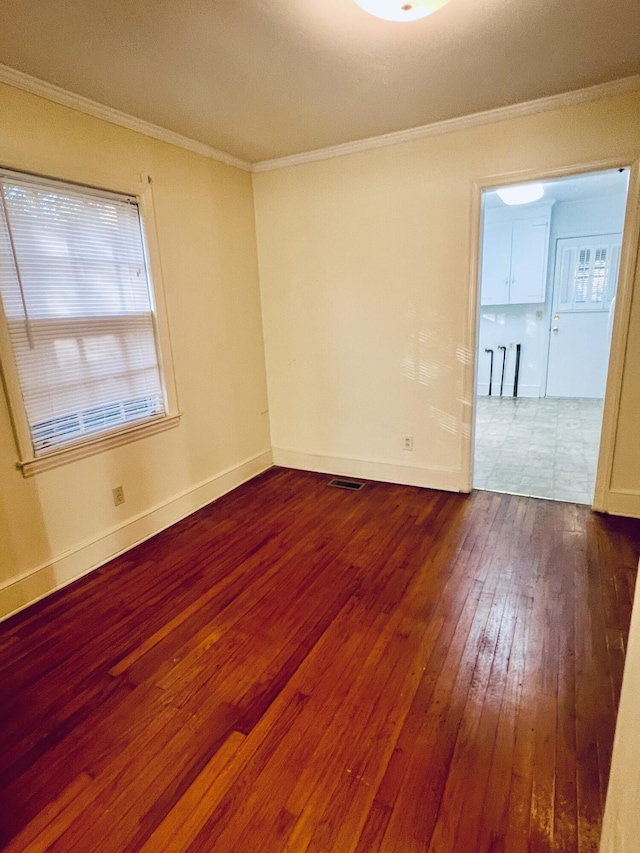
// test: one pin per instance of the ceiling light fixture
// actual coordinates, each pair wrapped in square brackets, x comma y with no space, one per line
[521,194]
[401,10]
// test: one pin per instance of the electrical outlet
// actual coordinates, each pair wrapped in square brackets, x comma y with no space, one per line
[407,442]
[118,496]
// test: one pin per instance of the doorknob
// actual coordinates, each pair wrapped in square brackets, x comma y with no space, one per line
[555,330]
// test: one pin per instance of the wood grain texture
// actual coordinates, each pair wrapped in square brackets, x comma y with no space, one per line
[298,668]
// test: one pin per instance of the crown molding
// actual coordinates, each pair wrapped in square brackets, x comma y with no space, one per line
[20,80]
[527,108]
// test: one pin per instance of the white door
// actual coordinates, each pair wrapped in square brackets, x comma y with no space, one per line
[585,279]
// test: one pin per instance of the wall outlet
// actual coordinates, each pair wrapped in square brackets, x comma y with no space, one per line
[407,442]
[118,496]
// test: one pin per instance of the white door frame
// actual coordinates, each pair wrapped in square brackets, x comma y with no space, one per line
[626,278]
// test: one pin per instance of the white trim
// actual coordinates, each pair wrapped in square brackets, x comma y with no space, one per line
[622,502]
[605,499]
[37,583]
[527,392]
[434,477]
[20,80]
[628,280]
[438,128]
[97,445]
[27,83]
[472,336]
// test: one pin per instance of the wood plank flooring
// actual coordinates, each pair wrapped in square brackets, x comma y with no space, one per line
[301,668]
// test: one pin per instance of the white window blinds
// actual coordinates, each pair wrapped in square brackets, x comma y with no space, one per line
[79,311]
[587,270]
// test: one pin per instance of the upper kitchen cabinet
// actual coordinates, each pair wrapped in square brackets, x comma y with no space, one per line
[515,247]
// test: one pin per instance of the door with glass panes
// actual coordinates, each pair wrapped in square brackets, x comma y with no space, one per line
[586,275]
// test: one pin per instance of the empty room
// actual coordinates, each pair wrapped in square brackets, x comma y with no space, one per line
[270,578]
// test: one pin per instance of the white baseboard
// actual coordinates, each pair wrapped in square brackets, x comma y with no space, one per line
[31,586]
[445,479]
[507,391]
[621,502]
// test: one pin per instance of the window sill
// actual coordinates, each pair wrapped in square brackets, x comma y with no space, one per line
[29,467]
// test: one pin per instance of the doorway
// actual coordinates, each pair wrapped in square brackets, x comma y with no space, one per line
[550,257]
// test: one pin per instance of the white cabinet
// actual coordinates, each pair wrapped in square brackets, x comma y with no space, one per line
[529,249]
[515,246]
[496,263]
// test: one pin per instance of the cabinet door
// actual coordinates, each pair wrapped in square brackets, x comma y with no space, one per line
[529,260]
[496,263]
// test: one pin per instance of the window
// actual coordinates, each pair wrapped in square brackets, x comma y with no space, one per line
[588,272]
[79,312]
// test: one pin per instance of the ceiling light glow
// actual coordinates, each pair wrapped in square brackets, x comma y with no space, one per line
[401,10]
[521,194]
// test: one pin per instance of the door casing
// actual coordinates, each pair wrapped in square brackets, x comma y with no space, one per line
[628,260]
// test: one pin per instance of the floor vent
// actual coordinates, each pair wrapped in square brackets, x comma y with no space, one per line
[351,485]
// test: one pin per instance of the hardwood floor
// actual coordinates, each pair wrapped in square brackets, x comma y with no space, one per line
[300,668]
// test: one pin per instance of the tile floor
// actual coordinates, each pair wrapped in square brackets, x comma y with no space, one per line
[545,447]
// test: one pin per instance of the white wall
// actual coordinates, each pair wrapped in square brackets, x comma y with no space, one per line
[509,325]
[365,271]
[61,523]
[529,324]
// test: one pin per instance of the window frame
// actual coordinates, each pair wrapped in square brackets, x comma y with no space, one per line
[28,462]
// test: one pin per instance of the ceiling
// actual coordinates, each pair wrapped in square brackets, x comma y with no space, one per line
[261,79]
[611,182]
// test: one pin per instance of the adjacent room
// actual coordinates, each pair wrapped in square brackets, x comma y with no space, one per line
[319,462]
[549,272]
